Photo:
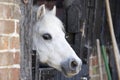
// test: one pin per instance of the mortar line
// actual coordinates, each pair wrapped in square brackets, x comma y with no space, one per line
[10,3]
[10,66]
[8,19]
[11,50]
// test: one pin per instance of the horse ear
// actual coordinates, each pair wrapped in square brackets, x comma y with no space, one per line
[53,11]
[41,11]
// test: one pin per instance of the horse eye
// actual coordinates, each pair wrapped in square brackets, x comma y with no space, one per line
[47,36]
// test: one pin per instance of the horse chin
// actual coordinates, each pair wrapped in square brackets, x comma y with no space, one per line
[69,74]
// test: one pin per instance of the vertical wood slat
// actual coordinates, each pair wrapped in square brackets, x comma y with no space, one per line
[26,39]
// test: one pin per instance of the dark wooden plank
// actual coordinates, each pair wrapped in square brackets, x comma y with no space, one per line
[74,13]
[116,19]
[98,20]
[26,39]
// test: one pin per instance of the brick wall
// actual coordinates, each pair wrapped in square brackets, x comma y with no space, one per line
[9,40]
[94,68]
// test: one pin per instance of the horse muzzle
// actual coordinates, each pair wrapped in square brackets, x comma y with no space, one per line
[71,67]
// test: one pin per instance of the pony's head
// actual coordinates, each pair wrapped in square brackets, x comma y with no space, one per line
[51,45]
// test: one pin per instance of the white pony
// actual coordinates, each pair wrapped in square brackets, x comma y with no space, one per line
[51,45]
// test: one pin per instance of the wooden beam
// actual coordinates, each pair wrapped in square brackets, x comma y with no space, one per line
[26,39]
[114,42]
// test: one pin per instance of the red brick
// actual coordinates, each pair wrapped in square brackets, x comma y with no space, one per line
[7,27]
[15,12]
[105,76]
[3,43]
[10,74]
[95,78]
[94,61]
[90,71]
[5,11]
[9,11]
[95,70]
[4,74]
[14,43]
[17,58]
[6,59]
[15,74]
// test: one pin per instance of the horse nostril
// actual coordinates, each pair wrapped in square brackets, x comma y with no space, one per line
[74,64]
